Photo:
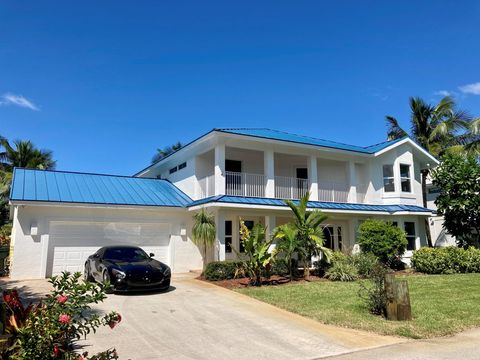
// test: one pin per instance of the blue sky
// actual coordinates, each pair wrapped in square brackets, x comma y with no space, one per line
[104,83]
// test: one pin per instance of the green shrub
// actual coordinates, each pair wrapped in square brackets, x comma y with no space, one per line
[224,270]
[385,241]
[365,263]
[322,266]
[448,260]
[280,267]
[342,271]
[50,328]
[374,294]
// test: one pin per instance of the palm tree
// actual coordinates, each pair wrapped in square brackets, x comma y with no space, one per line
[436,128]
[473,143]
[21,154]
[24,154]
[204,232]
[167,150]
[289,244]
[310,234]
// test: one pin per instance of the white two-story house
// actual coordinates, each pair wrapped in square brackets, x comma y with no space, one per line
[60,218]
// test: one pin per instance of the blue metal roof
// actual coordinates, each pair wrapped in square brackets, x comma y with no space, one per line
[301,139]
[311,204]
[71,187]
[265,133]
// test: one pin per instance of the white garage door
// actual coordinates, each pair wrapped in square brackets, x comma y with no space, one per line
[71,242]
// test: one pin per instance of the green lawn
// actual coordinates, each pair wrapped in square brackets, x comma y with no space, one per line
[441,304]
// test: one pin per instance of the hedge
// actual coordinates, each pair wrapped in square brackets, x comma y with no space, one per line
[223,270]
[447,260]
[232,269]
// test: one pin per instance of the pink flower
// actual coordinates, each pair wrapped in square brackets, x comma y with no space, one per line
[62,299]
[114,322]
[80,357]
[64,318]
[56,351]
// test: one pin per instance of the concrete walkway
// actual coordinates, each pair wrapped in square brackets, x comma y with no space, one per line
[197,320]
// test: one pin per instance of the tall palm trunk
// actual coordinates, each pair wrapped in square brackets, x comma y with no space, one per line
[424,198]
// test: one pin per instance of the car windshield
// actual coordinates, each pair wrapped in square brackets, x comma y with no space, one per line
[125,254]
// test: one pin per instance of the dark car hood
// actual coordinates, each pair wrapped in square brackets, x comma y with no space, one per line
[139,266]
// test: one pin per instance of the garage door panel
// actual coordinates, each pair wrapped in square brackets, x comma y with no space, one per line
[72,242]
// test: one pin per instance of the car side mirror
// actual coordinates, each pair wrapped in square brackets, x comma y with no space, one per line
[152,254]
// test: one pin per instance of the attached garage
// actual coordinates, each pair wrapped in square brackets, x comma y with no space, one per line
[71,242]
[62,218]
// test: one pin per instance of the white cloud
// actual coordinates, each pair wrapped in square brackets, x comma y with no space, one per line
[471,88]
[442,93]
[17,100]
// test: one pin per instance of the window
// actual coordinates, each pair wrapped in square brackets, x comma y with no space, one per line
[182,166]
[405,177]
[388,179]
[172,170]
[233,178]
[328,235]
[228,236]
[409,228]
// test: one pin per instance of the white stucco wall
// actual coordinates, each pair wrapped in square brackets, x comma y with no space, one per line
[32,255]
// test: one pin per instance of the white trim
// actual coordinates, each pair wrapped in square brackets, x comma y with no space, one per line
[286,208]
[90,205]
[411,142]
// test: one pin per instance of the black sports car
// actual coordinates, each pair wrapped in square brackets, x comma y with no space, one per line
[127,268]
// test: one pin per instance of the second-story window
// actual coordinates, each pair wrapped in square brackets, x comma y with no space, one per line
[388,178]
[173,170]
[405,178]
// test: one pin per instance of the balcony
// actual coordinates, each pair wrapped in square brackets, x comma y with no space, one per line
[244,184]
[290,188]
[254,185]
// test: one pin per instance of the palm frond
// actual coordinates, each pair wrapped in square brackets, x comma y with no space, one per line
[394,131]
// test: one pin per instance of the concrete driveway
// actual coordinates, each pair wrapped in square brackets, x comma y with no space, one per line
[196,320]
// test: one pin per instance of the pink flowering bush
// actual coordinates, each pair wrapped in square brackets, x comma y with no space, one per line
[49,330]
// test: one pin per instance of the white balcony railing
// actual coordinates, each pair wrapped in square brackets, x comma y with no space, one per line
[290,188]
[333,191]
[207,186]
[244,184]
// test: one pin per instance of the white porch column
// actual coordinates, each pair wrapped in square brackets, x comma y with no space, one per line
[352,180]
[269,171]
[219,248]
[219,169]
[270,223]
[313,176]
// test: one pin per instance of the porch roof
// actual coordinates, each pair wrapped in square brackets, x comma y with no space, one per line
[321,205]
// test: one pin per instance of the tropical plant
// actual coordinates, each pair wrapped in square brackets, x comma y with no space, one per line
[50,328]
[458,178]
[256,250]
[289,244]
[5,234]
[382,239]
[473,144]
[342,271]
[167,150]
[436,128]
[21,154]
[24,154]
[204,232]
[309,232]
